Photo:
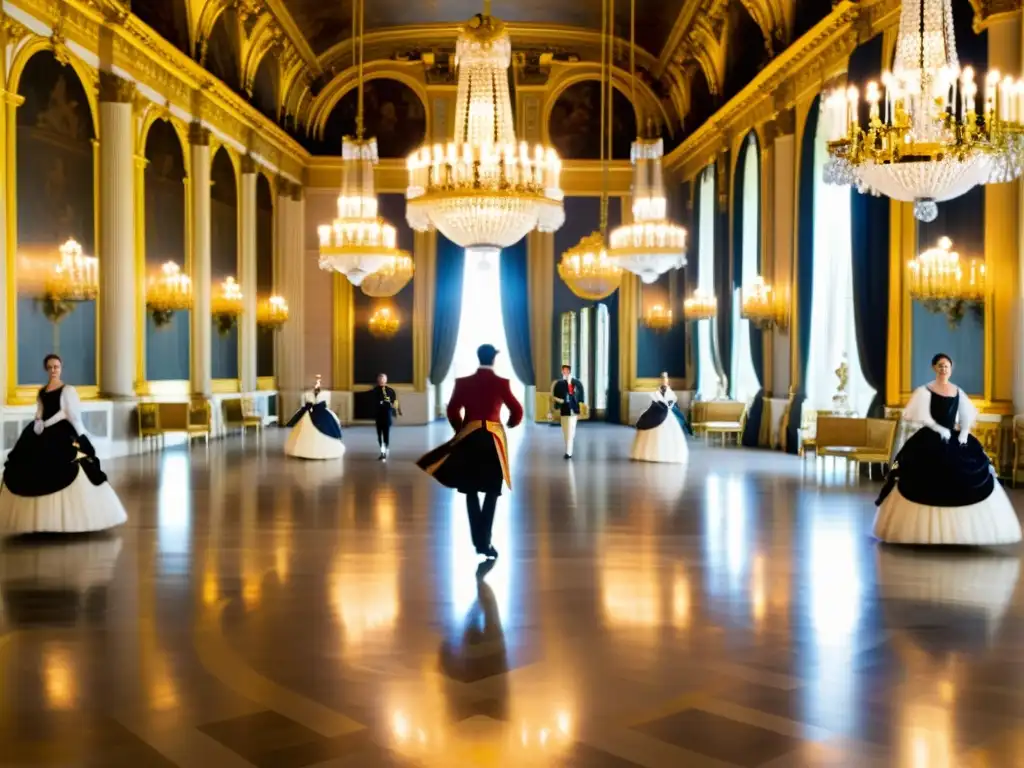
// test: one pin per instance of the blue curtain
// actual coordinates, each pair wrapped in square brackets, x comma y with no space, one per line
[723,271]
[613,413]
[752,429]
[869,226]
[694,272]
[804,272]
[447,307]
[515,310]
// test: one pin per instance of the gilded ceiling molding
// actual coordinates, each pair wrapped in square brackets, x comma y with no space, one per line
[407,73]
[989,12]
[294,35]
[265,37]
[704,46]
[770,16]
[794,75]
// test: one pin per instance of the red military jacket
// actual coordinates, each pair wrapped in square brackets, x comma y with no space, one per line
[479,397]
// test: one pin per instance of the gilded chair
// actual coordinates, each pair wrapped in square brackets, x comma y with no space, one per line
[1018,447]
[149,421]
[989,434]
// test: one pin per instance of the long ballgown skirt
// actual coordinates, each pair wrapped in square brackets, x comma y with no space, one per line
[659,437]
[941,492]
[316,433]
[53,483]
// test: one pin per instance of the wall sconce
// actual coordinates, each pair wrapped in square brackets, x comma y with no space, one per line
[272,313]
[167,293]
[763,306]
[384,323]
[227,305]
[701,306]
[938,279]
[658,318]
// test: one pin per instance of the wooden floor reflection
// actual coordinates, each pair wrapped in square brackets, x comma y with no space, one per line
[263,611]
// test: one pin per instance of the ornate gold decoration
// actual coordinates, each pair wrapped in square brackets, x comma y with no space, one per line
[74,279]
[384,323]
[272,313]
[167,293]
[58,41]
[226,306]
[938,280]
[763,306]
[198,134]
[701,306]
[482,188]
[391,278]
[248,163]
[116,89]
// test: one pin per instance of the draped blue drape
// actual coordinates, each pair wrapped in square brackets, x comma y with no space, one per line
[723,272]
[752,428]
[694,259]
[515,310]
[804,272]
[447,307]
[869,226]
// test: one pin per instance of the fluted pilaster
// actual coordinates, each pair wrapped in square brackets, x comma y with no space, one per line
[247,277]
[199,268]
[117,238]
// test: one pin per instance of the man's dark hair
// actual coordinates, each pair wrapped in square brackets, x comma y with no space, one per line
[485,353]
[567,367]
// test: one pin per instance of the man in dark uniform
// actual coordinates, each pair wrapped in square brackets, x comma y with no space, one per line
[475,461]
[385,410]
[567,395]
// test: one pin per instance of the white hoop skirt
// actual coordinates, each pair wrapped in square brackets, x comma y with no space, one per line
[80,508]
[988,522]
[665,443]
[307,441]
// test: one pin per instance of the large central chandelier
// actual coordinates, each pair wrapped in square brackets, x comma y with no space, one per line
[650,245]
[931,143]
[482,189]
[358,242]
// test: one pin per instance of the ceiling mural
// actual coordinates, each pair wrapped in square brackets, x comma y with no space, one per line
[308,42]
[392,113]
[575,123]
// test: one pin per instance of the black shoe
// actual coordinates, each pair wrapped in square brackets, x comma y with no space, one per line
[567,456]
[490,553]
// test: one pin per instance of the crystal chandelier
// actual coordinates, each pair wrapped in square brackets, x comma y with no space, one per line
[650,245]
[938,279]
[226,306]
[358,242]
[167,293]
[483,189]
[585,267]
[658,318]
[75,278]
[384,323]
[272,313]
[389,279]
[701,306]
[762,306]
[930,144]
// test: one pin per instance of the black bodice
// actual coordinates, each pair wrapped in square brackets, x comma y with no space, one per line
[51,401]
[944,409]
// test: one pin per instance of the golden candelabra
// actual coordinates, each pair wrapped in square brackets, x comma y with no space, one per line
[384,323]
[226,306]
[272,313]
[938,279]
[658,318]
[701,306]
[390,279]
[763,306]
[168,292]
[588,271]
[74,279]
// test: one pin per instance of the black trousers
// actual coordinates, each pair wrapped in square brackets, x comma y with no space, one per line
[384,432]
[481,519]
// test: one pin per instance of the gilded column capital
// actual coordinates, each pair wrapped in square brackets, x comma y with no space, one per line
[114,88]
[13,99]
[141,162]
[248,164]
[198,135]
[783,123]
[989,12]
[12,28]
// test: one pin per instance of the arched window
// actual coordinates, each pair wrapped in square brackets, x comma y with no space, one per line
[707,374]
[744,378]
[833,330]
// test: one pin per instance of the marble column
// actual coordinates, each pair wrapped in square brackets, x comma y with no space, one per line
[247,277]
[199,268]
[541,276]
[289,260]
[7,237]
[781,263]
[117,238]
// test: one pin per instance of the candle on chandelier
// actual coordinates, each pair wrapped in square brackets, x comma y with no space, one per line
[851,108]
[872,95]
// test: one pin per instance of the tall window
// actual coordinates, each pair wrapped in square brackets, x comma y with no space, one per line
[602,371]
[744,378]
[707,376]
[481,322]
[584,363]
[833,330]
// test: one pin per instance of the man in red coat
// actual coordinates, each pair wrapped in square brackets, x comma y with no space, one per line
[475,461]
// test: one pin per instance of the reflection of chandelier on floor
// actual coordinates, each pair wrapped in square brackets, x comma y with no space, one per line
[938,280]
[75,278]
[482,188]
[930,144]
[358,242]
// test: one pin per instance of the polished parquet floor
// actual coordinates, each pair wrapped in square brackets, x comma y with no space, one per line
[263,611]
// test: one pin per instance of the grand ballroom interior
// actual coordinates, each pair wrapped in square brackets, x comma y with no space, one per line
[221,213]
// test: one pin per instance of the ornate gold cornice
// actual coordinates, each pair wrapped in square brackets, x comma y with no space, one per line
[989,12]
[198,135]
[797,72]
[116,89]
[248,164]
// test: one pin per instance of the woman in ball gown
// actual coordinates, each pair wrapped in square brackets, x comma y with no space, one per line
[942,488]
[53,482]
[316,431]
[659,430]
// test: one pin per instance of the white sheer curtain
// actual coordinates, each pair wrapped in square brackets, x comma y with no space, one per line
[744,378]
[707,376]
[833,331]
